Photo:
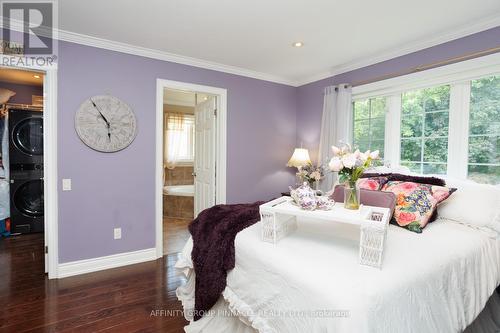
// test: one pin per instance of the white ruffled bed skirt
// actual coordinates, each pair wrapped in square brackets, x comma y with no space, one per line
[232,314]
[223,317]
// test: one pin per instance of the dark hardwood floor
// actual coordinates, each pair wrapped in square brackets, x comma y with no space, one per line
[118,300]
[175,234]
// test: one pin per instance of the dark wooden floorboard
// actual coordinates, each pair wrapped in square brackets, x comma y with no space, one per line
[116,300]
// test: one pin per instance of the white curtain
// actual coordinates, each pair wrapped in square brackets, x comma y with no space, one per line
[336,126]
[174,139]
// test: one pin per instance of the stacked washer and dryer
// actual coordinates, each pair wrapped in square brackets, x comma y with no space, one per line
[26,170]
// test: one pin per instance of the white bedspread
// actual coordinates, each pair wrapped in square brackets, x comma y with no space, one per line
[437,281]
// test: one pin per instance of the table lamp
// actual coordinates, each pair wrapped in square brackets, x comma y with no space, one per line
[299,159]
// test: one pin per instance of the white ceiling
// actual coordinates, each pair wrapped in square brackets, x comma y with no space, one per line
[21,76]
[183,98]
[256,36]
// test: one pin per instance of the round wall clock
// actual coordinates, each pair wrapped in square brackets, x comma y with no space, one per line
[105,123]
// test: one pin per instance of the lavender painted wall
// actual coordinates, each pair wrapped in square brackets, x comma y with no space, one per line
[23,92]
[310,96]
[117,190]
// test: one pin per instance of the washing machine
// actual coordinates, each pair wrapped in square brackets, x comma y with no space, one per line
[26,170]
[26,205]
[26,139]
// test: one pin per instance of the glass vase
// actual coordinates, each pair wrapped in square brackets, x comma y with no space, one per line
[351,196]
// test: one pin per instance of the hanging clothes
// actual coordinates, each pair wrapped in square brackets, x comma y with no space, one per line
[4,199]
[4,171]
[4,130]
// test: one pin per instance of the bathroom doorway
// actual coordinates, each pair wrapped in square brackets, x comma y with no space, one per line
[191,159]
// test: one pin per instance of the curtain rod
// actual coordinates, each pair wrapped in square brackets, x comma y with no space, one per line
[431,65]
[345,87]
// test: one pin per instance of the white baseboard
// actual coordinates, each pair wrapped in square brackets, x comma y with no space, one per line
[98,264]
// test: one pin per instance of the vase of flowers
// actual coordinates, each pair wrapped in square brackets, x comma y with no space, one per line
[311,174]
[350,166]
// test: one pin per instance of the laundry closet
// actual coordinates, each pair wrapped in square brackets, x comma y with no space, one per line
[21,168]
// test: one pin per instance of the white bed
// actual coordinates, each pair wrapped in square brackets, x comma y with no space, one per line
[437,281]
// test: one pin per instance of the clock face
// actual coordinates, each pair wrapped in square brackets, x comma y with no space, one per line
[105,123]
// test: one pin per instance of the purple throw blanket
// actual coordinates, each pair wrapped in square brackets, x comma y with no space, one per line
[213,232]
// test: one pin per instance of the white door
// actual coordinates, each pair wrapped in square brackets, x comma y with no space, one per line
[204,155]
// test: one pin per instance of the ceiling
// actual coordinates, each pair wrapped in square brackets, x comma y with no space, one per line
[182,98]
[20,77]
[255,37]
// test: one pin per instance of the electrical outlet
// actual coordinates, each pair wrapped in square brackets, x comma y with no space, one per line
[118,233]
[66,184]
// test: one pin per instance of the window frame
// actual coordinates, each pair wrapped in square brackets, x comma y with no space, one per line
[458,76]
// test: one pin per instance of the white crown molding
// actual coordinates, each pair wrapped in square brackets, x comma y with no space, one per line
[111,45]
[72,37]
[101,263]
[482,25]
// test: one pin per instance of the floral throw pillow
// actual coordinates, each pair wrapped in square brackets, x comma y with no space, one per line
[416,203]
[373,183]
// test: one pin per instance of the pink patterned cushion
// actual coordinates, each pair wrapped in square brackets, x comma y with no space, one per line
[373,183]
[415,202]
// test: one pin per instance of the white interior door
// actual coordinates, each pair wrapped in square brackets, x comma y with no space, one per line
[204,156]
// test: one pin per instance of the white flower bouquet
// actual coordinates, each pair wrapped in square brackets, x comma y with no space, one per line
[350,166]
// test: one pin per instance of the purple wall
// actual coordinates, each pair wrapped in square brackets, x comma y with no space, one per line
[310,96]
[118,190]
[23,92]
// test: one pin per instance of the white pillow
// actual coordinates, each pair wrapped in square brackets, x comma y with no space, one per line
[388,169]
[5,95]
[473,204]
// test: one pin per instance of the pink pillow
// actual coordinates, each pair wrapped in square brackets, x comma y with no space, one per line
[373,183]
[416,203]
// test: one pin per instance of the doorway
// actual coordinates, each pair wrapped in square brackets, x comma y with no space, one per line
[28,198]
[190,158]
[21,164]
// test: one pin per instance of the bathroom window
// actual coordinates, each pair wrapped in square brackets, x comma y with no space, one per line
[179,139]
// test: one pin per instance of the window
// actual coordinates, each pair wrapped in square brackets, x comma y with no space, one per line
[424,129]
[443,120]
[369,124]
[179,138]
[484,130]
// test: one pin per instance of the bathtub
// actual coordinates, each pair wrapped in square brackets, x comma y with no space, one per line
[179,190]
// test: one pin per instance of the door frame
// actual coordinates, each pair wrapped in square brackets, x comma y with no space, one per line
[49,158]
[220,144]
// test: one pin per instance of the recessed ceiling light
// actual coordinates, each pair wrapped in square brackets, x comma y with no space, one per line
[205,98]
[298,44]
[36,76]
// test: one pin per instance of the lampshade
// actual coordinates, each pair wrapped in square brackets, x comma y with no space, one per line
[299,158]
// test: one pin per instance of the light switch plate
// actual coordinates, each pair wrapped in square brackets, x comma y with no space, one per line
[66,184]
[118,233]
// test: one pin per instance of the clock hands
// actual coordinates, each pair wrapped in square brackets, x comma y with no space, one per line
[97,108]
[104,118]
